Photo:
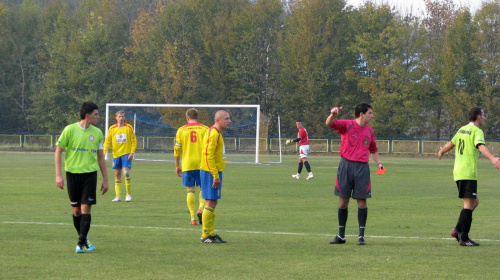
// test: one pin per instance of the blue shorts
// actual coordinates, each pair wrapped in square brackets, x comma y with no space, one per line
[191,178]
[122,162]
[207,192]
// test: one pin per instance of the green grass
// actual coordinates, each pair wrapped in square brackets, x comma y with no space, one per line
[276,227]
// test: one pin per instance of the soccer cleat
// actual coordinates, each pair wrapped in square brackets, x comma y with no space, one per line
[361,240]
[212,239]
[337,240]
[217,239]
[128,198]
[469,242]
[117,199]
[89,246]
[79,249]
[456,234]
[199,214]
[310,176]
[193,223]
[296,176]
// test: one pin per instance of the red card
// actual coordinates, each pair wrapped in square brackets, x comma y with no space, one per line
[380,171]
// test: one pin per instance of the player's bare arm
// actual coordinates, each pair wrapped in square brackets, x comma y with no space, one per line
[102,166]
[445,149]
[333,113]
[376,158]
[487,154]
[59,177]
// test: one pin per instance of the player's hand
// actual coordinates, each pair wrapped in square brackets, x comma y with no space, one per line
[216,183]
[178,171]
[104,187]
[496,162]
[131,156]
[60,182]
[335,111]
[288,142]
[440,154]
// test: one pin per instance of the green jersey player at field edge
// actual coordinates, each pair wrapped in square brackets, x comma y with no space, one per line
[83,143]
[468,142]
[189,144]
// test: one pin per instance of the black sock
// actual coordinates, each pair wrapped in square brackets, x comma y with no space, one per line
[466,223]
[458,227]
[308,167]
[84,228]
[343,213]
[300,168]
[362,215]
[76,223]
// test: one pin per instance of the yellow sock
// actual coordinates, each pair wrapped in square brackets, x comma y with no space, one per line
[201,205]
[127,185]
[208,221]
[118,187]
[191,203]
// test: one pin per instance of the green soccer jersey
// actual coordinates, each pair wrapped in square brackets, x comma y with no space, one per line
[466,143]
[81,147]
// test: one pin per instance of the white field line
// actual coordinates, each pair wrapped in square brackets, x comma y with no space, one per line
[247,232]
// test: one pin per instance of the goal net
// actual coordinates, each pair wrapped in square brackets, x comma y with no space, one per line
[251,138]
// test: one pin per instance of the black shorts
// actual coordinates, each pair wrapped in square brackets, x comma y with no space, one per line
[467,188]
[82,188]
[353,179]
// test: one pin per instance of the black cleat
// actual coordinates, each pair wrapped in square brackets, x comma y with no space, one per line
[361,240]
[212,239]
[469,242]
[337,240]
[199,214]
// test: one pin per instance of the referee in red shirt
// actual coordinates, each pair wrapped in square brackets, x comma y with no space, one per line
[353,175]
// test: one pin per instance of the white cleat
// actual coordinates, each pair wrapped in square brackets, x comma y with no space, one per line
[310,176]
[117,199]
[296,176]
[128,198]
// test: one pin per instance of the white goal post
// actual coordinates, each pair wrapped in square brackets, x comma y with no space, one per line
[250,111]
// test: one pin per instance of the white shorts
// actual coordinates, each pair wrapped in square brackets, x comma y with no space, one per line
[304,151]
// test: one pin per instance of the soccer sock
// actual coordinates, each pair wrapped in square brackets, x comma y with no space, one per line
[300,167]
[362,215]
[118,187]
[76,223]
[127,185]
[342,221]
[308,167]
[458,227]
[84,228]
[466,223]
[208,220]
[201,204]
[191,203]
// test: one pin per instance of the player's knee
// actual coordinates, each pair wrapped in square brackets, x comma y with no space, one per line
[127,173]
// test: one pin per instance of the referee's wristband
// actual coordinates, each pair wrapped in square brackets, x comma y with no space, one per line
[379,164]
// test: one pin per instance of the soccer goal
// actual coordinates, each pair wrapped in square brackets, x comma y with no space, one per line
[251,138]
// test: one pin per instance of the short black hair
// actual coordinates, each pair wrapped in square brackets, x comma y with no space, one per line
[299,120]
[474,112]
[361,108]
[87,108]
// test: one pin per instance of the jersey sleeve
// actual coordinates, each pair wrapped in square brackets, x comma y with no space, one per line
[373,143]
[107,141]
[177,144]
[340,126]
[133,140]
[478,138]
[62,141]
[210,148]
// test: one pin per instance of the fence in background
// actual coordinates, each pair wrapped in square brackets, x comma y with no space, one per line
[40,141]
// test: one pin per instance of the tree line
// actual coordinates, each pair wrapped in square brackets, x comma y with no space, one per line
[421,73]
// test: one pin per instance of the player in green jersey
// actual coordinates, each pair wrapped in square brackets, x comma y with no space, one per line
[83,143]
[468,142]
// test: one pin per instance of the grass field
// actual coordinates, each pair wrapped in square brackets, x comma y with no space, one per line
[276,227]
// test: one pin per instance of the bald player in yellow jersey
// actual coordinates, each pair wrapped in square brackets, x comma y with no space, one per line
[189,143]
[121,137]
[212,165]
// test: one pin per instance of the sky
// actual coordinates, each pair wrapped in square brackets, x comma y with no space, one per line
[418,6]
